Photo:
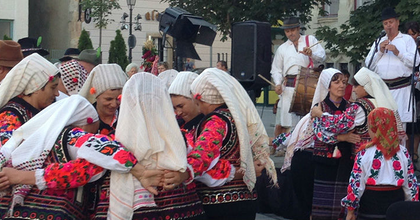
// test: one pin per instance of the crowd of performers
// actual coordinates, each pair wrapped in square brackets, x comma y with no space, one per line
[82,140]
[80,143]
[348,158]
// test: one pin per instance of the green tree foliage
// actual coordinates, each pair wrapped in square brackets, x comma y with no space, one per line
[355,37]
[84,41]
[101,10]
[118,51]
[224,13]
[5,37]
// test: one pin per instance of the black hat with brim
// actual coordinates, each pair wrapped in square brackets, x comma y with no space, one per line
[29,46]
[69,54]
[291,22]
[388,13]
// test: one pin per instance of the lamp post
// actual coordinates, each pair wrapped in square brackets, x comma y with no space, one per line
[131,37]
[131,4]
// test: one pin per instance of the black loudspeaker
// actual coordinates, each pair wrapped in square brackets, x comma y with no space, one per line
[251,53]
[186,29]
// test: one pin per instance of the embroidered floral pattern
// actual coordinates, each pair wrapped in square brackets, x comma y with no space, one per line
[327,126]
[78,172]
[69,175]
[281,139]
[359,178]
[9,122]
[206,149]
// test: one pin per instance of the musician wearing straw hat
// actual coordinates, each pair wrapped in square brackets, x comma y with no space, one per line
[298,50]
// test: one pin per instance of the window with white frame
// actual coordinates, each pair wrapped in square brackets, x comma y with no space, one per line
[6,28]
[358,3]
[332,9]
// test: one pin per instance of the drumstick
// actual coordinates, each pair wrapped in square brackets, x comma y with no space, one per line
[315,44]
[265,79]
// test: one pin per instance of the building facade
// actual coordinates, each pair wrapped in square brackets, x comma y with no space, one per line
[149,10]
[14,19]
[338,13]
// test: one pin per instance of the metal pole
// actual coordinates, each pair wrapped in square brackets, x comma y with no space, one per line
[130,58]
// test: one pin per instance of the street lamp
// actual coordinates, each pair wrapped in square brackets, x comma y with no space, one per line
[131,37]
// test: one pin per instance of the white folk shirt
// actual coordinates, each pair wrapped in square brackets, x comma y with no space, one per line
[287,60]
[371,168]
[389,66]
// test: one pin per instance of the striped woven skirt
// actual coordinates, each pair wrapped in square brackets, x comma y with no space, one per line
[330,186]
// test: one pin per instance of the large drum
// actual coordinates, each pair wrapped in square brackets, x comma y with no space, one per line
[305,86]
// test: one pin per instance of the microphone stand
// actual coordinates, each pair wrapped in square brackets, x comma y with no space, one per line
[376,49]
[413,102]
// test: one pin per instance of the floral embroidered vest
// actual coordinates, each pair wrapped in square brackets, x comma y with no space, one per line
[235,190]
[21,108]
[50,204]
[324,150]
[362,130]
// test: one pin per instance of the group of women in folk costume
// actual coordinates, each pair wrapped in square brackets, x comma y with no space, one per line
[330,140]
[151,166]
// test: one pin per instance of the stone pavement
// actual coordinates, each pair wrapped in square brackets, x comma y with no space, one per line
[269,119]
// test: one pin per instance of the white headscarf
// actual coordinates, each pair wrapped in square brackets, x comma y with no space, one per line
[303,134]
[323,85]
[375,86]
[148,128]
[102,78]
[168,77]
[28,76]
[31,143]
[182,83]
[253,138]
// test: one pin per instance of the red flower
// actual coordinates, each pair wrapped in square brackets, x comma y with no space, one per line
[89,120]
[400,182]
[119,97]
[151,59]
[371,181]
[349,189]
[75,80]
[376,164]
[51,78]
[122,156]
[81,140]
[351,197]
[146,54]
[396,165]
[197,96]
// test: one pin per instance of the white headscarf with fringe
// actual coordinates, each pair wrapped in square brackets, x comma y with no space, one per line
[28,76]
[303,134]
[252,135]
[148,128]
[323,85]
[168,77]
[182,83]
[31,143]
[102,78]
[376,87]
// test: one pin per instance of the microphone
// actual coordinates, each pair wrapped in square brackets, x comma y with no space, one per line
[417,39]
[383,33]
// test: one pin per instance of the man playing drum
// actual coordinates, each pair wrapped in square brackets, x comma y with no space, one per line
[298,51]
